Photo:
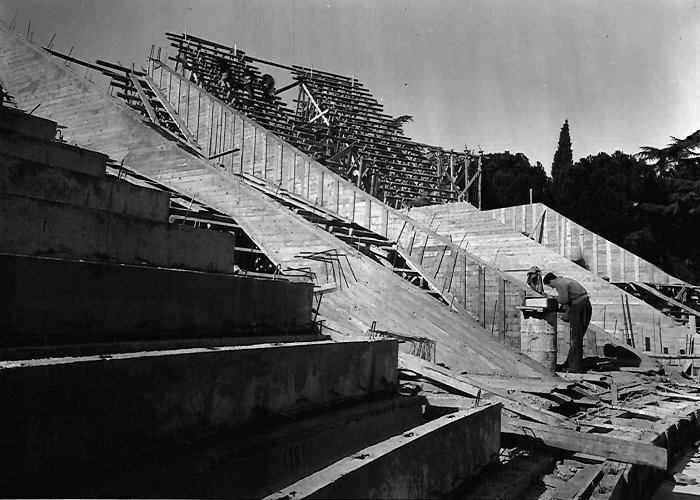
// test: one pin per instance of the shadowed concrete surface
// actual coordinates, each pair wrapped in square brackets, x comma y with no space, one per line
[70,413]
[410,465]
[52,300]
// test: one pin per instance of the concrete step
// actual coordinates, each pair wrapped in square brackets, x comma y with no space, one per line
[74,414]
[34,126]
[433,458]
[52,153]
[56,301]
[35,227]
[34,180]
[259,463]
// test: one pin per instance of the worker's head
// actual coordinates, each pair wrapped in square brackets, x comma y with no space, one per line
[548,278]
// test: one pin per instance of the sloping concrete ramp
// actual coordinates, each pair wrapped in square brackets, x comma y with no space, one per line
[514,253]
[97,121]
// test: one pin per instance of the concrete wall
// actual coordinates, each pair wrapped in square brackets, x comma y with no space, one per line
[68,413]
[13,119]
[44,228]
[258,465]
[52,299]
[55,154]
[22,177]
[429,461]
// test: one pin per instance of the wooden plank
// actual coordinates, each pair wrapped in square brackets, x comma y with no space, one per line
[603,446]
[144,99]
[669,300]
[611,486]
[472,388]
[173,114]
[522,384]
[579,485]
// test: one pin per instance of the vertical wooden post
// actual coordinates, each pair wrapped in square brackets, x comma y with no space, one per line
[354,201]
[187,109]
[360,171]
[452,171]
[322,187]
[281,169]
[337,196]
[255,145]
[692,325]
[478,170]
[368,203]
[500,315]
[384,230]
[199,108]
[242,145]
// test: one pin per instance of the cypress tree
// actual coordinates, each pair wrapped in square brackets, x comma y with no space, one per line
[563,158]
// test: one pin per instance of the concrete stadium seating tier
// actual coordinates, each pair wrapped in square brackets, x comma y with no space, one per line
[118,269]
[514,253]
[95,120]
[135,424]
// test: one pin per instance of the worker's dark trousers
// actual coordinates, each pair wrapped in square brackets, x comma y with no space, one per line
[579,319]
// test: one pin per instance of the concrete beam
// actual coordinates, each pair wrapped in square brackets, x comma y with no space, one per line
[429,461]
[260,463]
[70,412]
[51,153]
[49,300]
[19,121]
[34,180]
[44,228]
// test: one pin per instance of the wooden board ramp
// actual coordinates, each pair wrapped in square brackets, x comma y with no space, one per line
[514,253]
[98,121]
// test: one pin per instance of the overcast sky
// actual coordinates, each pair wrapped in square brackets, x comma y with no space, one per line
[499,74]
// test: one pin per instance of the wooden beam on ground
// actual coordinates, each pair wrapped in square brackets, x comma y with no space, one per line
[600,445]
[443,376]
[522,384]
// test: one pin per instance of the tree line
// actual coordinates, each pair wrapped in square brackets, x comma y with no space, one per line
[647,202]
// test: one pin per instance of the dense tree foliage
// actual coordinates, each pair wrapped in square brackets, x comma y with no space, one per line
[507,179]
[599,190]
[670,207]
[564,156]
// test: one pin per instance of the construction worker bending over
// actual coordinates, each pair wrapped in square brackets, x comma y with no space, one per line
[577,309]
